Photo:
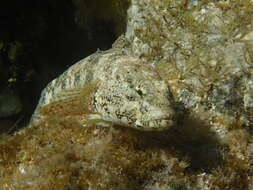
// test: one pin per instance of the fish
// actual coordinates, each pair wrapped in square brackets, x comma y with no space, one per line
[110,88]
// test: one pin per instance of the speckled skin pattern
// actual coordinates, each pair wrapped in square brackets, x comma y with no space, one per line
[128,92]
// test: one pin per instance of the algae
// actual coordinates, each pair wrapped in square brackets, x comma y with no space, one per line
[211,146]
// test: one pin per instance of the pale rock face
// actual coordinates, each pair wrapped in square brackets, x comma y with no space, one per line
[202,51]
[128,92]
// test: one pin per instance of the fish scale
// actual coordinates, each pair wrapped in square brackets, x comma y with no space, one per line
[113,87]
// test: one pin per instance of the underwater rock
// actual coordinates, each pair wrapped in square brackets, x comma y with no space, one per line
[65,155]
[203,53]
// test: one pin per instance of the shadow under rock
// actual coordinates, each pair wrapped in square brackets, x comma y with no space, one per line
[192,139]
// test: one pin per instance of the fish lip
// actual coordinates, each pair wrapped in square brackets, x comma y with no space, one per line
[166,118]
[161,126]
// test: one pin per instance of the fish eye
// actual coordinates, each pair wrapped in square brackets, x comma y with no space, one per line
[139,92]
[130,98]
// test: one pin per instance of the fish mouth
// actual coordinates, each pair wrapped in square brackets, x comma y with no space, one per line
[161,123]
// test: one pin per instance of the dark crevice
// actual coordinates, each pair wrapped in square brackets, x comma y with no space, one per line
[50,41]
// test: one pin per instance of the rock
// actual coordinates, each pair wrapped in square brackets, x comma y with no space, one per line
[199,51]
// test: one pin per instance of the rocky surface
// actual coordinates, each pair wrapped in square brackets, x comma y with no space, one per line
[203,51]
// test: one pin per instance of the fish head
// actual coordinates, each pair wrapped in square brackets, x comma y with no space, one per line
[154,109]
[136,97]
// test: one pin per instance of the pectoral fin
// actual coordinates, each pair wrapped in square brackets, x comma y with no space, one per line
[71,102]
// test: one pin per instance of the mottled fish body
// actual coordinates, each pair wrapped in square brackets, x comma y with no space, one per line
[121,90]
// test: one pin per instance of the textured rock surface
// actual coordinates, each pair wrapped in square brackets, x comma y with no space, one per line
[204,53]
